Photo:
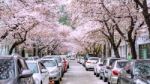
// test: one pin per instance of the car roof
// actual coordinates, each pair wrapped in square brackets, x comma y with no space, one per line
[11,57]
[48,59]
[121,60]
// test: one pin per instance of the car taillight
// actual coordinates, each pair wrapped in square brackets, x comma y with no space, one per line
[115,72]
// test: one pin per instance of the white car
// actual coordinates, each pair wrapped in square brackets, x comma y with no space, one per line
[97,67]
[40,73]
[91,62]
[53,69]
[115,71]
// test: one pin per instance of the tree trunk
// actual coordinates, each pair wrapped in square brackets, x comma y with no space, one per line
[133,50]
[116,52]
[12,48]
[23,52]
[34,51]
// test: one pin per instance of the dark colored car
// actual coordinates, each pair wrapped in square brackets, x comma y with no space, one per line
[14,70]
[135,72]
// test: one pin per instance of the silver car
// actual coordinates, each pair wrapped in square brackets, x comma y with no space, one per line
[59,61]
[14,70]
[107,67]
[115,71]
[97,67]
[53,69]
[40,73]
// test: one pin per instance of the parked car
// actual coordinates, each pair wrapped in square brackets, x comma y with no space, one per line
[14,70]
[135,72]
[59,61]
[115,71]
[97,67]
[82,60]
[53,69]
[40,73]
[86,58]
[107,68]
[91,62]
[72,58]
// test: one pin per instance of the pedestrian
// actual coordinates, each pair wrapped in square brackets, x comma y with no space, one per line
[129,57]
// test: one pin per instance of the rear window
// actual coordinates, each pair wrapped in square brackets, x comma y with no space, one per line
[33,67]
[93,59]
[112,61]
[121,64]
[49,63]
[58,59]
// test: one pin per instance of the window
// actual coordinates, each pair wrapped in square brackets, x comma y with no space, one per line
[7,69]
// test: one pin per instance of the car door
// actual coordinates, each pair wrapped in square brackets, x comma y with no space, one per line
[22,66]
[126,77]
[45,76]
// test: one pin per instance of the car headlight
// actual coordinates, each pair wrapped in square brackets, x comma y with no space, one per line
[140,82]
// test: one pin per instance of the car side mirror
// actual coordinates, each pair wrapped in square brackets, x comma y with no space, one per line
[44,70]
[26,74]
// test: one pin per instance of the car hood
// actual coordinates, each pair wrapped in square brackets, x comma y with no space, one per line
[8,81]
[37,76]
[50,69]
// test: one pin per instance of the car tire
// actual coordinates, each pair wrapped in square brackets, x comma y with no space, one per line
[57,82]
[87,69]
[118,82]
[100,77]
[97,75]
[68,66]
[105,79]
[94,73]
[60,79]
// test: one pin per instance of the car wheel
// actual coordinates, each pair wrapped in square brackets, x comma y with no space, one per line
[68,66]
[100,77]
[94,73]
[87,69]
[57,82]
[97,75]
[118,82]
[60,79]
[104,79]
[41,82]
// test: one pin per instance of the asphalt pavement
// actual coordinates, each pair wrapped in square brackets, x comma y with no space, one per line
[77,74]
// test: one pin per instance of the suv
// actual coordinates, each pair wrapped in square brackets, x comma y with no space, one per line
[106,68]
[14,70]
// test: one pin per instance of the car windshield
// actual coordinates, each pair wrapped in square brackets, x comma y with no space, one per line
[49,63]
[121,64]
[112,61]
[7,69]
[142,68]
[58,59]
[93,58]
[33,67]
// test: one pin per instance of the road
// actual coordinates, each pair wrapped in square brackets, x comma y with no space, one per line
[76,74]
